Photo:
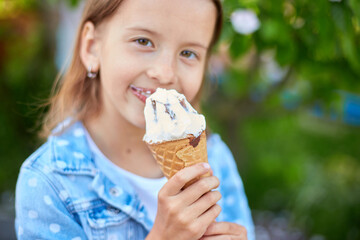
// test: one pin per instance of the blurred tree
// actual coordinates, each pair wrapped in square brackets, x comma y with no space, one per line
[26,45]
[307,48]
[282,57]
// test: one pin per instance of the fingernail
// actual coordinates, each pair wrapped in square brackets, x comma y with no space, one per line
[206,165]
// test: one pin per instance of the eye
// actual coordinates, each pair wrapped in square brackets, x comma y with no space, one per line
[144,42]
[188,54]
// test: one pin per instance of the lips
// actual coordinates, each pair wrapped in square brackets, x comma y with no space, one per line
[141,93]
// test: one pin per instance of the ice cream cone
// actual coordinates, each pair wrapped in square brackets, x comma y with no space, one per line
[172,156]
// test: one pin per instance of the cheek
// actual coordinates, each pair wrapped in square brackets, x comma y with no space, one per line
[116,66]
[192,87]
[116,74]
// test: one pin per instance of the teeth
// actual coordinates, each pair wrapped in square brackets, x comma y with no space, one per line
[144,94]
[138,90]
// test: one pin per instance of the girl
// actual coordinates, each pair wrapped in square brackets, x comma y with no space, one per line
[95,178]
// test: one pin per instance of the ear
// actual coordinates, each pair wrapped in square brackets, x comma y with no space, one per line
[89,47]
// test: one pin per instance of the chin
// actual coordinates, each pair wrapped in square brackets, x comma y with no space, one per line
[140,125]
[138,122]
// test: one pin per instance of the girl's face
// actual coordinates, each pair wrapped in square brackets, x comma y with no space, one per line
[149,44]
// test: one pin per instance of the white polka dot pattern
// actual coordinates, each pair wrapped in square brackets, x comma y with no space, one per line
[47,200]
[86,205]
[79,132]
[61,164]
[101,222]
[62,143]
[32,182]
[230,200]
[78,155]
[20,231]
[33,214]
[63,195]
[127,208]
[47,169]
[141,215]
[55,228]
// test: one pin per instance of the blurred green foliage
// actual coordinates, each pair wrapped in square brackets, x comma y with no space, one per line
[307,166]
[303,53]
[290,160]
[26,73]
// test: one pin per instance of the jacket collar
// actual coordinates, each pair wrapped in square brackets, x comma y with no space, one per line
[72,156]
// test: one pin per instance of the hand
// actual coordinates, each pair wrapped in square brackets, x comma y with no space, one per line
[186,213]
[224,231]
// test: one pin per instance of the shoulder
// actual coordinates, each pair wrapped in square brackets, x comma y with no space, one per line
[39,161]
[43,203]
[67,152]
[38,177]
[60,162]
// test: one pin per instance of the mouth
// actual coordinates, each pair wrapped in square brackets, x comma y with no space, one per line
[141,93]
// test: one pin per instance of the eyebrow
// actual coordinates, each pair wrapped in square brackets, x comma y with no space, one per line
[141,29]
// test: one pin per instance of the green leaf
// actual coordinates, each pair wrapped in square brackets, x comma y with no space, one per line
[355,7]
[350,50]
[235,84]
[240,45]
[274,31]
[347,36]
[74,3]
[286,53]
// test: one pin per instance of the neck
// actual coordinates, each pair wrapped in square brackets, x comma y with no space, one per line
[121,142]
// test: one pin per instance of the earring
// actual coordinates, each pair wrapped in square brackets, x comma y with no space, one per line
[91,74]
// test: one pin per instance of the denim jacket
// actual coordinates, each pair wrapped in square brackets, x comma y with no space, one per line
[61,194]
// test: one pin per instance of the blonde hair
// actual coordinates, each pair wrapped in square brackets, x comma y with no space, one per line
[74,95]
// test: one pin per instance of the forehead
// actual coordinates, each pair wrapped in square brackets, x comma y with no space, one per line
[181,18]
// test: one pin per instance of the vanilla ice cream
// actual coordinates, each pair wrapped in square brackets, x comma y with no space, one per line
[169,116]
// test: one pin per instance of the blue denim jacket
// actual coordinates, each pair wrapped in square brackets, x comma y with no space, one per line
[61,194]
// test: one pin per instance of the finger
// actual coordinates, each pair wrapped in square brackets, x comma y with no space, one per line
[196,190]
[217,237]
[209,216]
[204,203]
[178,181]
[211,172]
[223,237]
[218,228]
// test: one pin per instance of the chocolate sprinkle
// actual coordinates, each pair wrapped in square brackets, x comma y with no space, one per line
[153,102]
[182,103]
[168,111]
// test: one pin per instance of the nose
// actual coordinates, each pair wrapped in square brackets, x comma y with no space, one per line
[163,70]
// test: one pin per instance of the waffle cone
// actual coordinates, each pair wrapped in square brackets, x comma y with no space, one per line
[172,156]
